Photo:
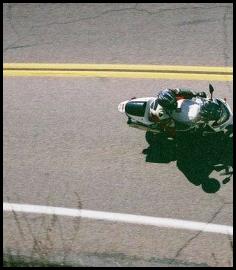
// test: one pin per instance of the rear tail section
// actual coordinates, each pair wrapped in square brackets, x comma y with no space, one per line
[121,106]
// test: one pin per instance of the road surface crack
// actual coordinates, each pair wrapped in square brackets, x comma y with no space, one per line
[134,8]
[15,47]
[214,257]
[9,16]
[86,18]
[198,233]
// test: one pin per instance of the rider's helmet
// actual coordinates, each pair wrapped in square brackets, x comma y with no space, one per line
[211,110]
[167,99]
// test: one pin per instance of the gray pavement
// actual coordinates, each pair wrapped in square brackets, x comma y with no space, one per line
[65,143]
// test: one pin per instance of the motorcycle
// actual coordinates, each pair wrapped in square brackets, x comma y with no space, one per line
[186,118]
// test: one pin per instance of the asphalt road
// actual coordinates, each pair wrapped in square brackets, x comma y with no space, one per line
[66,144]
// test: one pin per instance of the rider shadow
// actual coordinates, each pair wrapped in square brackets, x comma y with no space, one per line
[196,157]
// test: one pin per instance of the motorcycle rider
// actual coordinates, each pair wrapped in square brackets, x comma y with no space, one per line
[166,103]
[167,98]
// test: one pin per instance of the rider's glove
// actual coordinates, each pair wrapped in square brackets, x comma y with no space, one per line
[201,94]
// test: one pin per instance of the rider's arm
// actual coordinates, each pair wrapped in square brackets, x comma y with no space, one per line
[187,93]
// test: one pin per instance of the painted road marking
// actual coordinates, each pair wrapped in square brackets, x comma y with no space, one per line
[119,71]
[118,217]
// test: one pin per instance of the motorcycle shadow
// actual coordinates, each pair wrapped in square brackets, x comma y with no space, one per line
[196,157]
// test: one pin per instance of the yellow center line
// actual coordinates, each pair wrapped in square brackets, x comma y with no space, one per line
[119,71]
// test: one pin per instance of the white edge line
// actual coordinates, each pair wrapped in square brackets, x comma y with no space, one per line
[118,217]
